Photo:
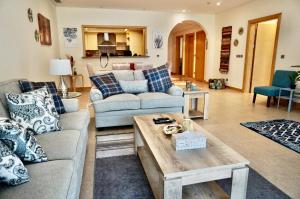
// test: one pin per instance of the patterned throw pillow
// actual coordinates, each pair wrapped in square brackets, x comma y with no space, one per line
[158,79]
[21,141]
[107,84]
[34,110]
[12,170]
[27,86]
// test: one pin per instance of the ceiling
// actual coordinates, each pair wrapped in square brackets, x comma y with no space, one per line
[194,6]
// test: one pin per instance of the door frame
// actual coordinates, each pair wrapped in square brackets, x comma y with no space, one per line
[255,21]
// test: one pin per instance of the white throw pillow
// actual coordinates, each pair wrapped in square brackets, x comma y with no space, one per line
[34,110]
[136,86]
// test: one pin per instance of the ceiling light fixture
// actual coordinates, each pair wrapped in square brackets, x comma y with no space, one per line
[184,10]
[218,3]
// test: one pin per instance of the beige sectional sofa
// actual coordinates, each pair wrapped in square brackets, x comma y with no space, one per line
[118,110]
[61,176]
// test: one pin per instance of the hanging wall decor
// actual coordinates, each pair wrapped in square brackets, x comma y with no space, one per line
[241,30]
[157,40]
[70,37]
[236,42]
[45,30]
[225,49]
[30,15]
[36,36]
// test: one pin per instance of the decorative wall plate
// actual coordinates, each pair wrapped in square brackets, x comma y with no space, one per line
[30,15]
[36,35]
[241,30]
[236,42]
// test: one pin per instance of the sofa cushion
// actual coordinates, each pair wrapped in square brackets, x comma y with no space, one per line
[160,100]
[135,86]
[158,79]
[139,75]
[3,111]
[48,180]
[21,141]
[27,86]
[11,86]
[75,120]
[60,145]
[124,101]
[34,110]
[12,170]
[107,84]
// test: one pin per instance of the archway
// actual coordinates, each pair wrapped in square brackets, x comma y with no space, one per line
[187,50]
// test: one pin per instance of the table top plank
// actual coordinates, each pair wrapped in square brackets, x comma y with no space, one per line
[216,155]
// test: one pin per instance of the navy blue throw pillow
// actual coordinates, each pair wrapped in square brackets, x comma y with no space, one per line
[27,86]
[158,78]
[107,84]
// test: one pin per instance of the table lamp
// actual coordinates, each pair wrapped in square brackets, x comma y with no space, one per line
[61,67]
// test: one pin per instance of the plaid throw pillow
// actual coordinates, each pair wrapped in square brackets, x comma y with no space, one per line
[158,79]
[27,86]
[107,84]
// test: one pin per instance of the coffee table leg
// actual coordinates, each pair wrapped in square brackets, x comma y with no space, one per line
[137,139]
[171,189]
[239,183]
[206,102]
[186,107]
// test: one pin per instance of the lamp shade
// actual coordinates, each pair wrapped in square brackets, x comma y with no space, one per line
[60,67]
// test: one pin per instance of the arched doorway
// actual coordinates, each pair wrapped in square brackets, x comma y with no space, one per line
[186,50]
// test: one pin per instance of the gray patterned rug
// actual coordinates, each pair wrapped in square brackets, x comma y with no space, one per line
[123,177]
[284,132]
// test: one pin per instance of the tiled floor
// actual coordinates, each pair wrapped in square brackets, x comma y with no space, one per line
[228,108]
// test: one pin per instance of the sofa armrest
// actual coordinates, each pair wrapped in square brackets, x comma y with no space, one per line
[71,105]
[175,91]
[95,94]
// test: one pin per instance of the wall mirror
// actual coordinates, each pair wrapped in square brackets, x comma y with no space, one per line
[114,41]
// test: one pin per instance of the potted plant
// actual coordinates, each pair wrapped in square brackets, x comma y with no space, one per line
[295,77]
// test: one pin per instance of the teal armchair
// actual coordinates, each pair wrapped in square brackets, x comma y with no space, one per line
[281,80]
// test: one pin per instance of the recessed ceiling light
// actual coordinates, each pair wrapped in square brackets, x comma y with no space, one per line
[184,10]
[218,3]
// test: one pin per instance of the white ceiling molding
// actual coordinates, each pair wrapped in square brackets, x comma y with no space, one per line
[184,6]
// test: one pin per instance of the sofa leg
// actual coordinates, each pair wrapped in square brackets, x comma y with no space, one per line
[254,98]
[274,100]
[268,101]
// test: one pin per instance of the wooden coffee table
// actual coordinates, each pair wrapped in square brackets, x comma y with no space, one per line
[168,170]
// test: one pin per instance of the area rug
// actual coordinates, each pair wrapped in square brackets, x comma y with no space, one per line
[284,132]
[123,177]
[114,145]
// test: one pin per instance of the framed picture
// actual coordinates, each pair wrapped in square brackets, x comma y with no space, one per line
[157,40]
[70,37]
[44,29]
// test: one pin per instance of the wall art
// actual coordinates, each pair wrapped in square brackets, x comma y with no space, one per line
[157,40]
[45,30]
[70,37]
[30,15]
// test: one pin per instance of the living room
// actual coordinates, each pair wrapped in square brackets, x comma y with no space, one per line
[104,149]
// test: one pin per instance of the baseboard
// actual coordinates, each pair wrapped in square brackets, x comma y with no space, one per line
[236,89]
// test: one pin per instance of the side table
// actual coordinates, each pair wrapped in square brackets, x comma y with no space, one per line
[73,79]
[291,97]
[71,95]
[193,96]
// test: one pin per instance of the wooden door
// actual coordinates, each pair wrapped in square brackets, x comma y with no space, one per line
[200,55]
[177,56]
[189,55]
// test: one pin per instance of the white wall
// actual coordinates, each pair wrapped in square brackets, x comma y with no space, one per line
[288,43]
[21,56]
[162,22]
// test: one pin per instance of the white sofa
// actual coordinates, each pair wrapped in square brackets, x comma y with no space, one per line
[118,110]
